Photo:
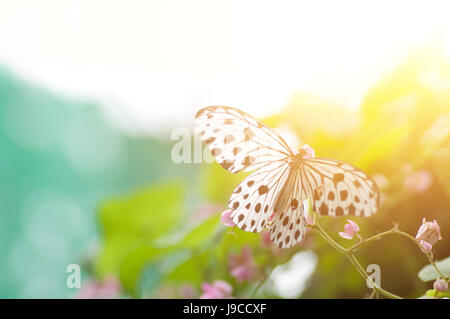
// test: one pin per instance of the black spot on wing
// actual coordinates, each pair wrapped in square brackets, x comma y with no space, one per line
[263,189]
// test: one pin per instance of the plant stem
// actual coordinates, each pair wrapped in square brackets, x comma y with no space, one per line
[420,247]
[364,274]
[327,237]
[348,253]
[395,230]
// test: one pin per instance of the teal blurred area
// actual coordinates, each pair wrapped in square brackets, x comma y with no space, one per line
[60,159]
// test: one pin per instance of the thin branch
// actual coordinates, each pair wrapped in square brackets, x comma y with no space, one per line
[395,230]
[354,261]
[261,282]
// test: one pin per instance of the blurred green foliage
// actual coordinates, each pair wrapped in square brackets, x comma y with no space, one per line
[151,234]
[60,159]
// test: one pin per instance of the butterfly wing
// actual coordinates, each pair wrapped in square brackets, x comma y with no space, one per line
[288,226]
[237,140]
[337,188]
[253,199]
[241,143]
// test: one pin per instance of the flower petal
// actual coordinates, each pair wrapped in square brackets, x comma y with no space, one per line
[345,235]
[226,218]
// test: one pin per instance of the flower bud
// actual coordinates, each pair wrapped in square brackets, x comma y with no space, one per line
[223,286]
[426,246]
[307,151]
[350,230]
[226,218]
[440,284]
[242,266]
[429,232]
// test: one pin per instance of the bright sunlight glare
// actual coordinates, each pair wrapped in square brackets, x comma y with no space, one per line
[289,280]
[153,63]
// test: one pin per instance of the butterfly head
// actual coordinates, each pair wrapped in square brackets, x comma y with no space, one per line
[306,152]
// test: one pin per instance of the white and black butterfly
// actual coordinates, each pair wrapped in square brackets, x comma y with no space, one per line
[272,196]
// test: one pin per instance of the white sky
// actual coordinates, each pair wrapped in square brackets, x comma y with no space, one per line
[153,63]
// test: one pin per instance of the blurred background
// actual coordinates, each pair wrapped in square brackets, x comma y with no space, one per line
[91,91]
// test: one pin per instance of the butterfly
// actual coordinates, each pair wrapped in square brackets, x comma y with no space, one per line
[282,178]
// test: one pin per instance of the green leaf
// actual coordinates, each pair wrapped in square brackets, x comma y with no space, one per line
[438,294]
[428,273]
[151,277]
[139,218]
[235,242]
[190,269]
[135,262]
[201,234]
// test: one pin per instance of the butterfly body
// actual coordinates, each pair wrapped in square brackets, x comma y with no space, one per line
[272,196]
[282,198]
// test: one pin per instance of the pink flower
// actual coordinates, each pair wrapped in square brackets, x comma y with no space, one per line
[226,218]
[88,290]
[307,152]
[271,217]
[165,291]
[426,246]
[241,273]
[265,239]
[93,289]
[350,230]
[242,266]
[429,232]
[219,289]
[418,182]
[440,285]
[187,291]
